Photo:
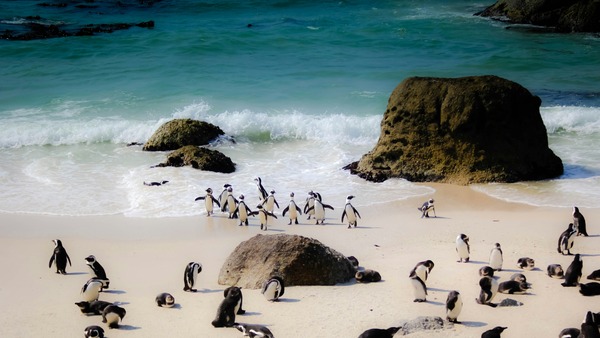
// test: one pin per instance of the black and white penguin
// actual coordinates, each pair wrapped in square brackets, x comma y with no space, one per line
[310,203]
[243,212]
[112,314]
[380,333]
[589,289]
[97,270]
[293,209]
[59,257]
[555,271]
[262,192]
[486,271]
[270,203]
[496,258]
[229,290]
[579,222]
[569,333]
[273,288]
[367,276]
[526,263]
[165,300]
[489,288]
[350,212]
[493,333]
[426,208]
[419,289]
[93,331]
[264,216]
[519,277]
[228,309]
[589,327]
[151,184]
[573,274]
[462,248]
[231,204]
[594,275]
[354,262]
[566,239]
[454,306]
[422,269]
[209,200]
[91,289]
[223,197]
[319,209]
[190,276]
[254,331]
[513,287]
[94,307]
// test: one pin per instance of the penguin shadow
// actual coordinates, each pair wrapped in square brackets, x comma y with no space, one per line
[593,236]
[76,273]
[116,292]
[128,327]
[208,291]
[251,314]
[362,227]
[276,230]
[438,217]
[510,270]
[120,303]
[472,324]
[436,303]
[176,306]
[289,300]
[479,262]
[589,255]
[438,290]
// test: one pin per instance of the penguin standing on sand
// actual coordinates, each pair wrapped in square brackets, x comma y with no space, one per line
[566,239]
[243,212]
[462,248]
[93,331]
[231,204]
[91,289]
[235,290]
[489,288]
[422,270]
[190,276]
[426,207]
[209,200]
[319,209]
[97,270]
[270,203]
[59,257]
[493,333]
[293,209]
[579,222]
[112,314]
[273,288]
[454,306]
[574,271]
[310,203]
[264,216]
[589,327]
[496,258]
[223,197]
[419,289]
[228,309]
[351,212]
[262,192]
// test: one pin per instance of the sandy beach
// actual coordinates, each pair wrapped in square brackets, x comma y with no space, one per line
[144,257]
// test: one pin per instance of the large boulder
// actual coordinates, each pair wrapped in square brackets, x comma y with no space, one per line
[565,16]
[199,158]
[466,130]
[296,259]
[182,132]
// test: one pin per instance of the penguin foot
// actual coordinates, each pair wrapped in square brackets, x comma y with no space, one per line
[349,227]
[492,305]
[261,227]
[290,223]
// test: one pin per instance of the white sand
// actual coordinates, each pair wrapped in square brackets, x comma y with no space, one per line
[144,257]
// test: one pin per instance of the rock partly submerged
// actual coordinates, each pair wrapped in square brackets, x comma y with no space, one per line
[178,133]
[465,130]
[199,158]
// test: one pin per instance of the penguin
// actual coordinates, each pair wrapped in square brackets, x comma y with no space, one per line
[496,258]
[112,314]
[91,289]
[589,289]
[573,274]
[367,276]
[293,209]
[223,197]
[310,203]
[569,333]
[493,333]
[519,277]
[579,222]
[151,184]
[513,287]
[594,275]
[59,257]
[419,289]
[264,217]
[426,207]
[565,241]
[273,288]
[354,262]
[463,248]
[230,289]
[254,330]
[489,288]
[209,200]
[526,263]
[190,276]
[422,269]
[319,209]
[97,270]
[486,271]
[454,305]
[555,271]
[262,192]
[165,300]
[243,212]
[93,331]
[231,203]
[351,212]
[227,309]
[380,333]
[589,327]
[270,202]
[94,307]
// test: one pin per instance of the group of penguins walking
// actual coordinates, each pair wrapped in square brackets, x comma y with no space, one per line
[238,209]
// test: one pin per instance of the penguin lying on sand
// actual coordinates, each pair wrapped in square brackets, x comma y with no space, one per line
[380,333]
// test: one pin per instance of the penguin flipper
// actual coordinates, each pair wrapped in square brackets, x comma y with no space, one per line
[217,202]
[200,198]
[309,209]
[413,272]
[298,209]
[68,258]
[271,214]
[285,210]
[356,212]
[51,260]
[277,204]
[253,213]
[451,303]
[343,215]
[327,206]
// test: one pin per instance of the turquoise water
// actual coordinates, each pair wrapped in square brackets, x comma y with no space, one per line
[302,90]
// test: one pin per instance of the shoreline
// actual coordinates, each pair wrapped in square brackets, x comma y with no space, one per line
[146,256]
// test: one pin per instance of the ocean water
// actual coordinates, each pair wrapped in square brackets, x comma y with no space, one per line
[301,86]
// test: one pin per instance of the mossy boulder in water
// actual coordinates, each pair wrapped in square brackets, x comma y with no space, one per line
[182,132]
[199,158]
[466,130]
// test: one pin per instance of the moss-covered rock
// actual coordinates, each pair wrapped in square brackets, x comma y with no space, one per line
[465,130]
[182,132]
[199,158]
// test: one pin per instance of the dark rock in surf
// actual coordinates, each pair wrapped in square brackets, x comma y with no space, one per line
[182,132]
[199,158]
[466,130]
